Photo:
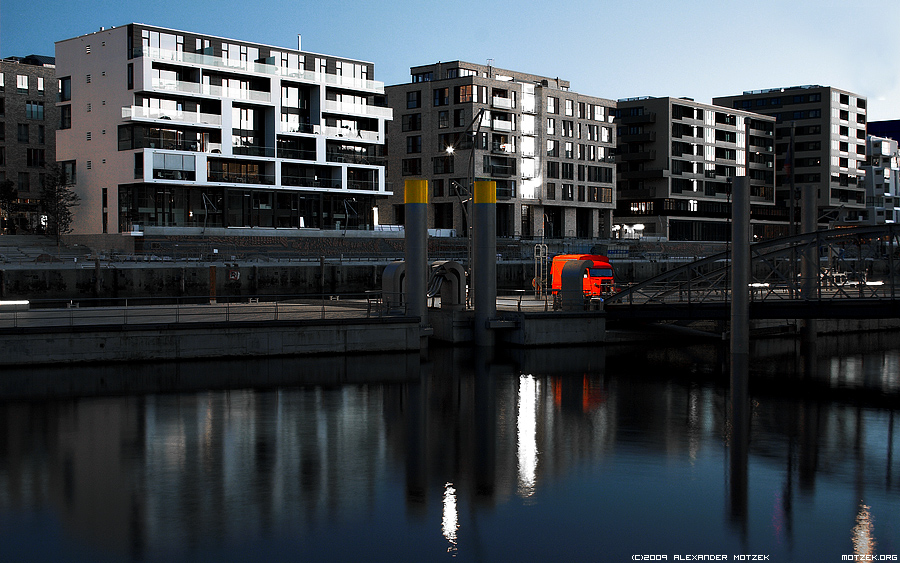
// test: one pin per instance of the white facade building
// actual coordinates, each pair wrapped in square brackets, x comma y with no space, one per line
[164,130]
[882,180]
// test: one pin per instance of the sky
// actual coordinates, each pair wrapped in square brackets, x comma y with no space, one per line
[698,49]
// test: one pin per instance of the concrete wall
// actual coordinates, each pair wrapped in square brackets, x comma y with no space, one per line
[26,347]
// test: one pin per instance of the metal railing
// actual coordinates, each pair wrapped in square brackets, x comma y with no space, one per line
[110,313]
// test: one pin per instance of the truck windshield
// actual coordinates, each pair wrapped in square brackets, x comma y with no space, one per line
[601,272]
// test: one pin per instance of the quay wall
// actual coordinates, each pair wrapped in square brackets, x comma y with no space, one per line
[195,341]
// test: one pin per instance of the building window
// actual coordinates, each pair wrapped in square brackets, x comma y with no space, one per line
[552,105]
[87,136]
[413,99]
[459,118]
[88,78]
[23,132]
[22,84]
[570,108]
[443,164]
[443,119]
[552,147]
[130,82]
[34,110]
[464,94]
[24,183]
[411,167]
[411,122]
[68,172]
[441,96]
[551,191]
[552,169]
[35,157]
[413,144]
[568,192]
[65,117]
[65,89]
[551,126]
[40,85]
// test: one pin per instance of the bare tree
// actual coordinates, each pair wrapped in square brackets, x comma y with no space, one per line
[57,201]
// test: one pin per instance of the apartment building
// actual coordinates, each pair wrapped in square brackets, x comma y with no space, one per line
[675,161]
[163,129]
[28,120]
[549,149]
[828,128]
[881,174]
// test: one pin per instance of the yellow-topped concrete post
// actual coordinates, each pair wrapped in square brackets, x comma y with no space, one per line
[416,204]
[485,258]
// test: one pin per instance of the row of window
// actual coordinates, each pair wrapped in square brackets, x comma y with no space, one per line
[22,83]
[23,133]
[567,192]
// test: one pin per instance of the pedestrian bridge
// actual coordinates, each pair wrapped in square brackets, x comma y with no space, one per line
[853,276]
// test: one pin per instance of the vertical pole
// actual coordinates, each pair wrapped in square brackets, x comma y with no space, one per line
[789,166]
[485,257]
[212,285]
[740,265]
[808,224]
[416,200]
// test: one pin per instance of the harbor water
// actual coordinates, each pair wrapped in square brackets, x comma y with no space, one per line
[615,453]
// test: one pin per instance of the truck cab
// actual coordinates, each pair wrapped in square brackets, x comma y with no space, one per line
[598,281]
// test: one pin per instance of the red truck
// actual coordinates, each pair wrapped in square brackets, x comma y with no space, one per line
[598,281]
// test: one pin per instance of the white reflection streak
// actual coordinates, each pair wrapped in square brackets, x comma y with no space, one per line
[526,426]
[450,519]
[863,541]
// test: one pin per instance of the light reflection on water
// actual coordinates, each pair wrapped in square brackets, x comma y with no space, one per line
[536,455]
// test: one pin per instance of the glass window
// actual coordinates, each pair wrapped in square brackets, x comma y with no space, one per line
[552,105]
[414,99]
[22,83]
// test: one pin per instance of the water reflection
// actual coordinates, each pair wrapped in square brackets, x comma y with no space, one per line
[481,458]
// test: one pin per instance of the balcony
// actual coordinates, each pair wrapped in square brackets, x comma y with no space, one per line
[502,125]
[504,148]
[210,90]
[307,128]
[310,182]
[648,137]
[194,118]
[352,134]
[358,109]
[167,55]
[500,170]
[354,158]
[253,150]
[647,117]
[501,103]
[232,178]
[297,154]
[635,156]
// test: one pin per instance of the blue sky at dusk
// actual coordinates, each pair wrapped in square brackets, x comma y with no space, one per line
[697,49]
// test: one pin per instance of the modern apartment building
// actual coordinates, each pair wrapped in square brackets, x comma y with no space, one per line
[164,129]
[676,158]
[828,127]
[549,149]
[28,120]
[882,181]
